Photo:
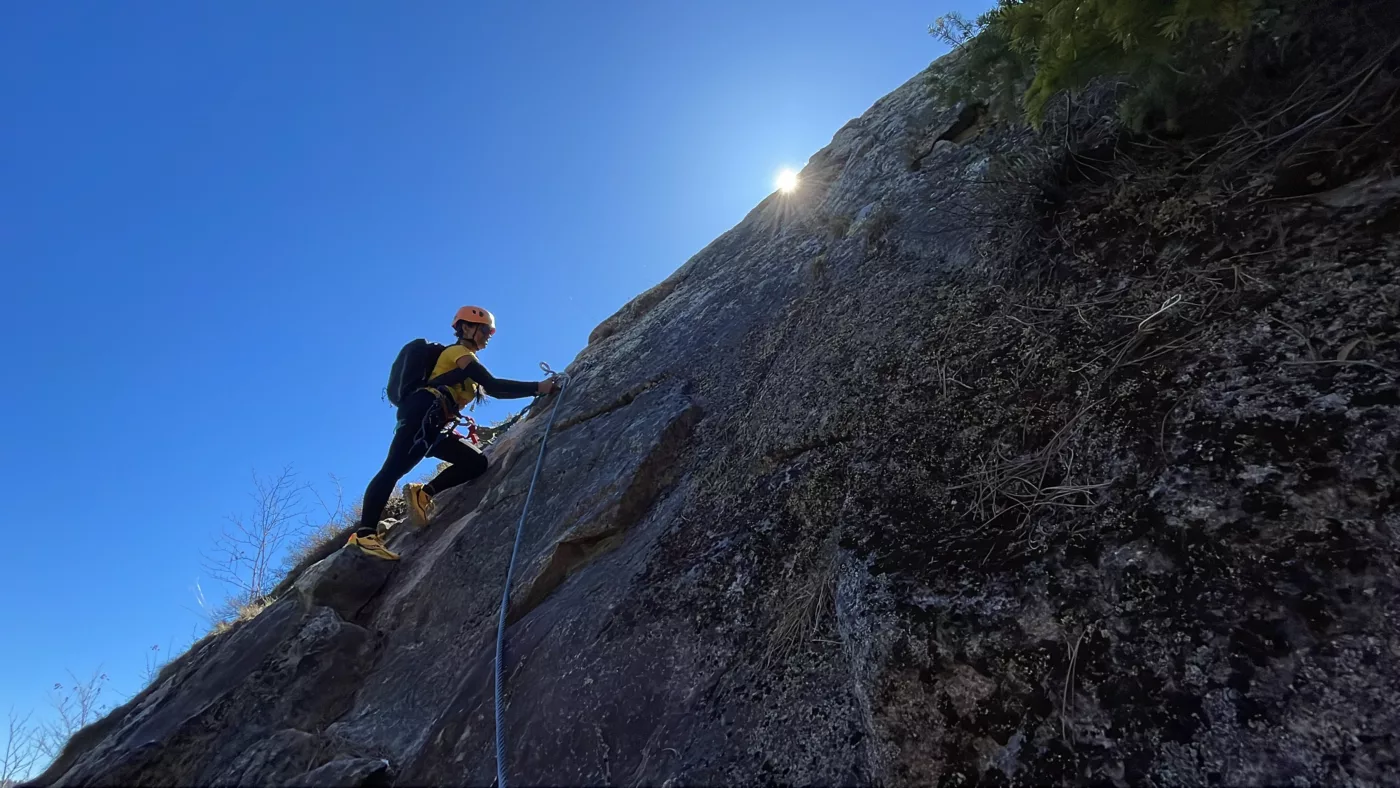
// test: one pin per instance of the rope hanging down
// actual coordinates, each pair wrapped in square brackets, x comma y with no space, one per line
[563,381]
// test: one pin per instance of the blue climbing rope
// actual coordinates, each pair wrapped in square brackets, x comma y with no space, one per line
[563,381]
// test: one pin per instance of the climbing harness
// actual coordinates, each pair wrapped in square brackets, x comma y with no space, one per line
[451,420]
[426,425]
[563,381]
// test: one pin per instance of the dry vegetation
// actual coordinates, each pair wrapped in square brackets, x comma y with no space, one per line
[801,612]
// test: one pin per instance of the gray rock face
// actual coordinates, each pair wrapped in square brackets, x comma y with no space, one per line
[837,504]
[345,582]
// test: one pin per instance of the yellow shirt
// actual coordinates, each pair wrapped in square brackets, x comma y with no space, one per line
[465,391]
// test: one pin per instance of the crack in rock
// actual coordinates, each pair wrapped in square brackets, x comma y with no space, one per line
[620,402]
[653,475]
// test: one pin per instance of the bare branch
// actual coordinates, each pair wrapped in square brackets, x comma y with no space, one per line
[246,549]
[19,753]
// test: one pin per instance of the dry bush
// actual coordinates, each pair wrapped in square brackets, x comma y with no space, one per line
[834,225]
[76,705]
[245,612]
[1010,491]
[800,614]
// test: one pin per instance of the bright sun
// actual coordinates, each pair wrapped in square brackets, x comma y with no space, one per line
[786,181]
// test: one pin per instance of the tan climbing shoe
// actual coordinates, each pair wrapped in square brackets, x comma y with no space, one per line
[371,545]
[420,504]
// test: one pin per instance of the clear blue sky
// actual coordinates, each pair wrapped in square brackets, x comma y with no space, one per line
[219,222]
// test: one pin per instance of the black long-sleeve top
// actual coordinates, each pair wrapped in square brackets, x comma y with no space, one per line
[499,388]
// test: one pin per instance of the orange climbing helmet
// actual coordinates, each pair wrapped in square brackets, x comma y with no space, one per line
[475,314]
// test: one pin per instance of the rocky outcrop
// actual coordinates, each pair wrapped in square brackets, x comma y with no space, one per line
[857,497]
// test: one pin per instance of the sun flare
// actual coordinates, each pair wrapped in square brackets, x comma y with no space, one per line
[786,181]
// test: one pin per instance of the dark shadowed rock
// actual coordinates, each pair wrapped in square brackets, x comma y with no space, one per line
[345,581]
[274,760]
[348,773]
[236,714]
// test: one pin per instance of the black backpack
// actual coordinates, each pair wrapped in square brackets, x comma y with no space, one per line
[411,369]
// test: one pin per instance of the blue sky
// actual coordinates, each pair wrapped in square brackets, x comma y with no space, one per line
[219,222]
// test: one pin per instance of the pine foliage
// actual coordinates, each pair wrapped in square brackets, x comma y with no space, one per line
[1018,56]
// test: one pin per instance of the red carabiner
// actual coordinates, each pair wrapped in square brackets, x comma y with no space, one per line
[471,437]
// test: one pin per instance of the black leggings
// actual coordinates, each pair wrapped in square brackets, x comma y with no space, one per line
[420,424]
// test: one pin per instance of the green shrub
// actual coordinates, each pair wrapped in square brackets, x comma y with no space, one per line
[1022,53]
[984,68]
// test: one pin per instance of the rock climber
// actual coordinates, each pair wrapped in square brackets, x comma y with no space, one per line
[425,418]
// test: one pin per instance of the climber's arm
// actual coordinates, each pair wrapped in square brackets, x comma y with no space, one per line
[497,387]
[468,367]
